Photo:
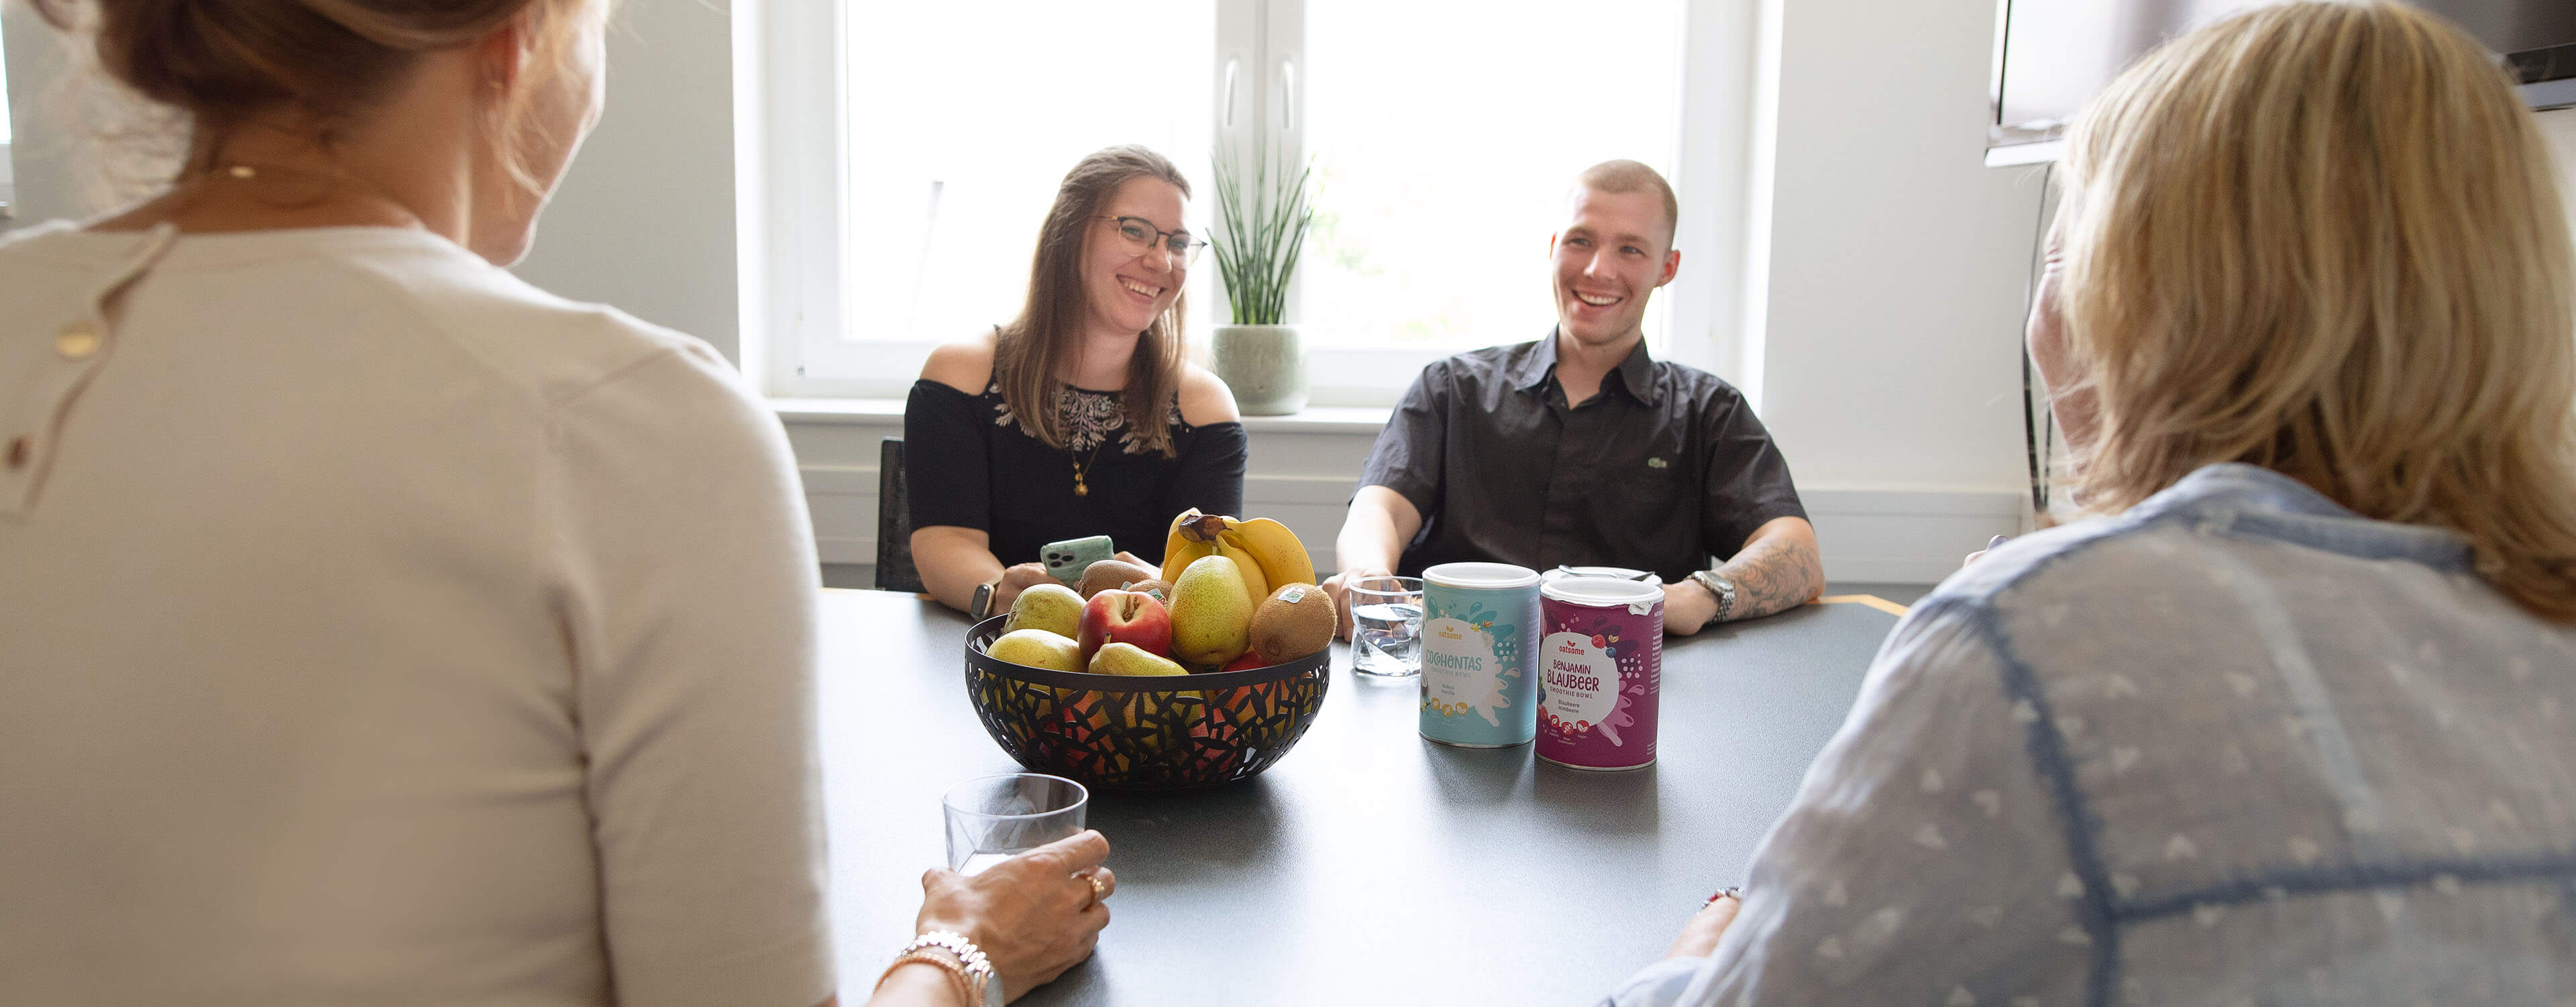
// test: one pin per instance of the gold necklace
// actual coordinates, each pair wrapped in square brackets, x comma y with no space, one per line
[1081,468]
[250,173]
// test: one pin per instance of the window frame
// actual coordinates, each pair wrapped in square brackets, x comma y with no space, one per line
[793,149]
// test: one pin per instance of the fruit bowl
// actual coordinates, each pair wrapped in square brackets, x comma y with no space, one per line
[1143,734]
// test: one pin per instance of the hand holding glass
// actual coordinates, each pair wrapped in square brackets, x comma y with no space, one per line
[994,818]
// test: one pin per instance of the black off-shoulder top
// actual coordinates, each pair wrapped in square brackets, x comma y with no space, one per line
[969,464]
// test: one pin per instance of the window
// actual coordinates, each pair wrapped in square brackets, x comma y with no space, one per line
[958,132]
[1444,145]
[912,150]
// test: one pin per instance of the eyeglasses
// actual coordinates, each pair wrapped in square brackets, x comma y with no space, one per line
[1142,234]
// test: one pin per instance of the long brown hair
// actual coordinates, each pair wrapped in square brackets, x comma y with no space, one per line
[2326,239]
[1028,351]
[221,63]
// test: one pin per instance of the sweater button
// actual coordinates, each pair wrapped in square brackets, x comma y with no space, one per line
[18,452]
[77,341]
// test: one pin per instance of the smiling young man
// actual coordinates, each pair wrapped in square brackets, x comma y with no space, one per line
[1581,449]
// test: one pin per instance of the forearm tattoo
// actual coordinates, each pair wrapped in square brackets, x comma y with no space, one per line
[1775,574]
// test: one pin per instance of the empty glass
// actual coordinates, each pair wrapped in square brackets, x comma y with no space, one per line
[994,818]
[1386,617]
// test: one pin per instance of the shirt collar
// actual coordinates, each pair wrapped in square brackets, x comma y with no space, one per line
[1636,373]
[2245,499]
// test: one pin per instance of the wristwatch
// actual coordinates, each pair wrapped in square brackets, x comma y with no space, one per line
[1722,588]
[981,607]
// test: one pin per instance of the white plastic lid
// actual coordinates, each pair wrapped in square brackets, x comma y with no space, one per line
[1601,591]
[1480,576]
[1620,572]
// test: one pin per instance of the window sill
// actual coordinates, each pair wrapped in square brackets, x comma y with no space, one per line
[889,412]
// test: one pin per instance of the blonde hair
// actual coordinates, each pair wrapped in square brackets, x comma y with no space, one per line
[1625,176]
[2325,238]
[218,64]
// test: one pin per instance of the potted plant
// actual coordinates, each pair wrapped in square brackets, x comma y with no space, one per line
[1262,228]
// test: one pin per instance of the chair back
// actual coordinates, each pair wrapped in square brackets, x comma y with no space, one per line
[895,571]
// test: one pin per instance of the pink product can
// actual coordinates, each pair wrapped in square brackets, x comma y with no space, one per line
[1600,672]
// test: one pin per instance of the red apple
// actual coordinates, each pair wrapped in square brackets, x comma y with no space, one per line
[1131,617]
[1247,662]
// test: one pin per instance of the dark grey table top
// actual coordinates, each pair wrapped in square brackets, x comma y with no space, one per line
[1368,866]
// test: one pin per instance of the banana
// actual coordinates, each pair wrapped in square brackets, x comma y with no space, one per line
[1256,584]
[1283,559]
[1267,552]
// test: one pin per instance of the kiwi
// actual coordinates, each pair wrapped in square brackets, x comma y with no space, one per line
[1295,621]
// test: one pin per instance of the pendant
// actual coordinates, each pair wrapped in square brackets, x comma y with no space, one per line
[1079,489]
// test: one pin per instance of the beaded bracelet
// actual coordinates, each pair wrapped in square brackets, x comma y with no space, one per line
[963,961]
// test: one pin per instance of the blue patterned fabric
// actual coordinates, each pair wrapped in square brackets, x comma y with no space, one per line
[2235,746]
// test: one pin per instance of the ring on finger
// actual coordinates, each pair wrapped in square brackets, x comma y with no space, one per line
[1099,888]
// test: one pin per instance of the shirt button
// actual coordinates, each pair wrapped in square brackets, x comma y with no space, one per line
[17,452]
[77,341]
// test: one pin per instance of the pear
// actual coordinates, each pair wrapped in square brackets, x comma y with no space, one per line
[1130,659]
[1051,607]
[1037,648]
[1211,613]
[1296,621]
[1110,575]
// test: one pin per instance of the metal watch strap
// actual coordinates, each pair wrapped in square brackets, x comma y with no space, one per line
[1722,588]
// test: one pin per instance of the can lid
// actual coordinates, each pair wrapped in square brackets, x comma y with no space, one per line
[1621,572]
[1480,576]
[1604,591]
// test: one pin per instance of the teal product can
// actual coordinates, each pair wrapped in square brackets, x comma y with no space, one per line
[1480,624]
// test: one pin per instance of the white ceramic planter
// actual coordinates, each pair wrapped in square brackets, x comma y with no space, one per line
[1264,364]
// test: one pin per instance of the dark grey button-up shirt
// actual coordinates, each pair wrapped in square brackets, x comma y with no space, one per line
[1662,470]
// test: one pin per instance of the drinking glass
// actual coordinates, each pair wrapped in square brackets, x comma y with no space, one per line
[1386,617]
[994,818]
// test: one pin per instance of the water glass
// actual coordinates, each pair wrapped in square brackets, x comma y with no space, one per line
[1386,617]
[994,818]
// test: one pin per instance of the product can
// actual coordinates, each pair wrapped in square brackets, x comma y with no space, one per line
[1600,671]
[1479,626]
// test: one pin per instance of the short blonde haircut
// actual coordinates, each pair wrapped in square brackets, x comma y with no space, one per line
[2325,238]
[1634,176]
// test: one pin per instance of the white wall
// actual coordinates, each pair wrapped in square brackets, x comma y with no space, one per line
[1897,260]
[44,155]
[644,220]
[2560,127]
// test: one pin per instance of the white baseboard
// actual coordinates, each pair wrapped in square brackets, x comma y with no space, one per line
[1901,535]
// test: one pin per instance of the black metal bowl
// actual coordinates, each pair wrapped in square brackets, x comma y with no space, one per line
[1137,734]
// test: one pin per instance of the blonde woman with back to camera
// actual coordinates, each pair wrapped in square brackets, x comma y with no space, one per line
[382,629]
[2288,722]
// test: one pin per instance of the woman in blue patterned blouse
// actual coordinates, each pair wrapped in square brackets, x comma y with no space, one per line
[2288,721]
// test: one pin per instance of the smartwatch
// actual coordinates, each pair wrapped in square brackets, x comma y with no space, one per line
[1722,588]
[981,607]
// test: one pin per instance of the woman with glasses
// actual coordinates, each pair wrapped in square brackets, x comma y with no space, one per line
[1080,417]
